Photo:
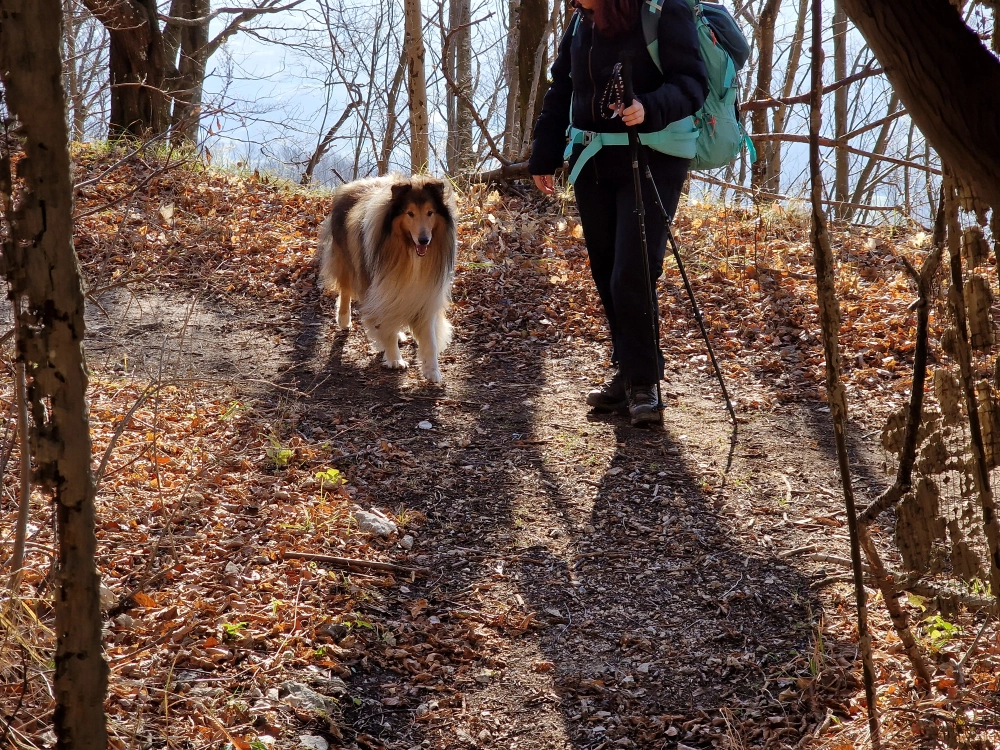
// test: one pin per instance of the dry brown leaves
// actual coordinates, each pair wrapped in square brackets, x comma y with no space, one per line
[207,623]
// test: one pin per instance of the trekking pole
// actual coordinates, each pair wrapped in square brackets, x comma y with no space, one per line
[633,142]
[690,291]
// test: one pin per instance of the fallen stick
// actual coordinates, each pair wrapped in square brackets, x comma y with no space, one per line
[350,562]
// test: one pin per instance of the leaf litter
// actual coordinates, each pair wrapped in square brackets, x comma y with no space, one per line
[549,578]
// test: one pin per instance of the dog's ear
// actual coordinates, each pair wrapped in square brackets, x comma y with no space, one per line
[399,190]
[436,190]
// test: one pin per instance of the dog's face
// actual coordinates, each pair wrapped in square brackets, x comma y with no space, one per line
[418,208]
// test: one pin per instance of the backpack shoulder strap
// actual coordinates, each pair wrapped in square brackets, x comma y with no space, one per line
[650,15]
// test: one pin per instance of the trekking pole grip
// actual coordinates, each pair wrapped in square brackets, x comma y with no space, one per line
[627,98]
[626,61]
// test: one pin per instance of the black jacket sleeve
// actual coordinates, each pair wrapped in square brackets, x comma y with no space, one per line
[549,140]
[685,84]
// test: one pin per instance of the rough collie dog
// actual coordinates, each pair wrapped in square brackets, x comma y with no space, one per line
[390,244]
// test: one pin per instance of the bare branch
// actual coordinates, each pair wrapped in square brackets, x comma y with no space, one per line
[806,97]
[175,21]
[832,143]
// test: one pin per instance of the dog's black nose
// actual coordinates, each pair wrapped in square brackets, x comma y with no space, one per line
[423,240]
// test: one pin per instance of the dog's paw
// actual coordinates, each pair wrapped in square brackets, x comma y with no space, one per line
[394,364]
[433,375]
[344,322]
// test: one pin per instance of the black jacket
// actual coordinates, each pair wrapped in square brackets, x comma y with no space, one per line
[585,63]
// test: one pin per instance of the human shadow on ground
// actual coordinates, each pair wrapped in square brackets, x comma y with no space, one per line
[599,580]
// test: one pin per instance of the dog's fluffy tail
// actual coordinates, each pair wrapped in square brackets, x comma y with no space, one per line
[324,254]
[444,331]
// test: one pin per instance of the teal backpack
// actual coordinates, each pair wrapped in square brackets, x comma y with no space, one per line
[724,50]
[714,136]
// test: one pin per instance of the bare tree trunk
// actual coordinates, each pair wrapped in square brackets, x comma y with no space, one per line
[829,316]
[139,106]
[512,122]
[42,269]
[926,50]
[762,175]
[189,84]
[963,353]
[414,45]
[531,27]
[459,148]
[24,508]
[842,160]
[791,69]
[536,89]
[77,115]
[391,118]
[907,188]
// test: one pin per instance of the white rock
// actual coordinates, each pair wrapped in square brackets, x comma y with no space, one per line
[406,542]
[425,425]
[125,622]
[374,524]
[306,699]
[108,598]
[312,742]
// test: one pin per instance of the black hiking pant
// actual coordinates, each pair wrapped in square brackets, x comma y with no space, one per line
[605,196]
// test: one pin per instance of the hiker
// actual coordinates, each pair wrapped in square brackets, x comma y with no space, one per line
[587,76]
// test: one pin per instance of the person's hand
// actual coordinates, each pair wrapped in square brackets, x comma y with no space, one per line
[633,114]
[544,183]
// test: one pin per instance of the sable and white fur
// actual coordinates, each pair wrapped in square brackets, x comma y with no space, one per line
[390,243]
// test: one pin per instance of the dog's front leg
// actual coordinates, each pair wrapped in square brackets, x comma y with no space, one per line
[388,343]
[427,349]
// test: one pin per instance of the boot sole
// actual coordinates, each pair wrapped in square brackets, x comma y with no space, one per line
[608,405]
[646,418]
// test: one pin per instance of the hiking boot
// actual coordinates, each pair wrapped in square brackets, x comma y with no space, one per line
[610,396]
[643,406]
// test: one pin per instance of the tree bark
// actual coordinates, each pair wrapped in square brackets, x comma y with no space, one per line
[77,114]
[829,317]
[791,69]
[762,174]
[532,24]
[41,268]
[927,51]
[842,159]
[459,150]
[189,84]
[417,86]
[963,354]
[391,117]
[139,105]
[512,120]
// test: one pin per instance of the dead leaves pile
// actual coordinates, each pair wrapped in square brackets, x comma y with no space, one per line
[213,637]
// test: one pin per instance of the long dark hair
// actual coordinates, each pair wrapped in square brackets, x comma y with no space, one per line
[615,17]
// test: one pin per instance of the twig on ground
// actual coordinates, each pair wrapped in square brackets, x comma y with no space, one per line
[350,562]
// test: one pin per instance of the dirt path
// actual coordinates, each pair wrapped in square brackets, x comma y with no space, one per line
[618,587]
[581,584]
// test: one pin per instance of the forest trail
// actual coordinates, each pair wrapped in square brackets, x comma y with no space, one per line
[576,583]
[625,589]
